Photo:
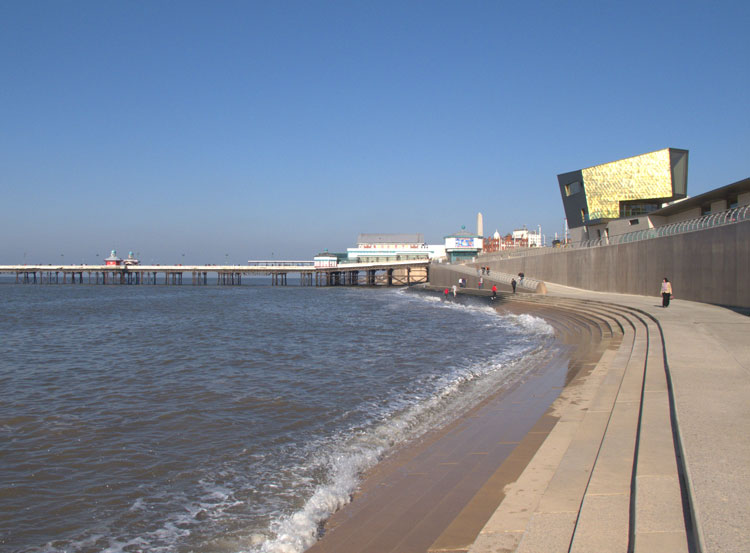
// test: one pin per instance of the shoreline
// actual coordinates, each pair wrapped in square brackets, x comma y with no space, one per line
[444,487]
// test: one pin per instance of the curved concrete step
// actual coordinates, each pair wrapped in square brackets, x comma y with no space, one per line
[615,483]
[543,477]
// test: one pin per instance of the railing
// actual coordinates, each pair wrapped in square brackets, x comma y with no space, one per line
[728,217]
[280,263]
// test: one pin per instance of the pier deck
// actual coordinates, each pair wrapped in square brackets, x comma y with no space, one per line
[394,273]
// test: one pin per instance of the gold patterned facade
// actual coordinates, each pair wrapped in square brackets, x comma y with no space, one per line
[644,177]
[625,188]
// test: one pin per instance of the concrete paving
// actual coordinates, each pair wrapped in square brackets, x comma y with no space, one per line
[707,351]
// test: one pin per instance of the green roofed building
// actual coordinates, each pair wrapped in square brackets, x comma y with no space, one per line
[624,189]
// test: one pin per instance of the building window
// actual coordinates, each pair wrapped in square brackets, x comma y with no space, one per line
[633,222]
[705,209]
[733,201]
[636,209]
[572,188]
[583,215]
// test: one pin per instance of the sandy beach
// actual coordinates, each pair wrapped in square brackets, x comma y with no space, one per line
[438,493]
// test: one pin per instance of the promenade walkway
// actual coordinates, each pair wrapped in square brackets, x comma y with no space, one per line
[652,454]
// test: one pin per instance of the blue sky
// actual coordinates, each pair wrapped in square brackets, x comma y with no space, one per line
[281,128]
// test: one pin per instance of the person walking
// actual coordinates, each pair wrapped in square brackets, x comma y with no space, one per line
[494,291]
[481,282]
[455,290]
[445,294]
[666,292]
[513,284]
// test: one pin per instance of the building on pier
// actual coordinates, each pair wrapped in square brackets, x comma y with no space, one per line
[131,260]
[384,247]
[113,260]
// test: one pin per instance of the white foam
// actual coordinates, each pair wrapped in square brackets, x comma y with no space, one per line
[533,324]
[455,393]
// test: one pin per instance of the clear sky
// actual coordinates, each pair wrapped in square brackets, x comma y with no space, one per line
[201,132]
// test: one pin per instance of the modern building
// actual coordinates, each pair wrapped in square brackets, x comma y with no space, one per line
[372,248]
[712,202]
[621,190]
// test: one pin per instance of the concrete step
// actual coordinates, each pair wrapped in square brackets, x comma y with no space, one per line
[554,523]
[604,519]
[540,509]
[659,512]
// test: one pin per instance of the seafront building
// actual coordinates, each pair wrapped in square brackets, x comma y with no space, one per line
[519,238]
[384,247]
[463,246]
[595,199]
[530,238]
[709,203]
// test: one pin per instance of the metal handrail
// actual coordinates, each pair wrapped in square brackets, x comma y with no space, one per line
[711,220]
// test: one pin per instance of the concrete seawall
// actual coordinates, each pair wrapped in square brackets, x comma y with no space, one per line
[709,266]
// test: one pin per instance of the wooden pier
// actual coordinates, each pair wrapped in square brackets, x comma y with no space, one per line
[395,273]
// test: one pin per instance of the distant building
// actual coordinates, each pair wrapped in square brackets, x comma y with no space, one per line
[373,248]
[463,246]
[131,260]
[520,238]
[621,190]
[327,259]
[524,237]
[113,259]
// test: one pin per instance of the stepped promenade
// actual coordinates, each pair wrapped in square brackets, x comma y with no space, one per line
[644,449]
[653,455]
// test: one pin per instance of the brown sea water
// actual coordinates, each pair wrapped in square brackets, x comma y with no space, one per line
[224,419]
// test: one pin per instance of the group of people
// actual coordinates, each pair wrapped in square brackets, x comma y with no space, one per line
[454,290]
[666,287]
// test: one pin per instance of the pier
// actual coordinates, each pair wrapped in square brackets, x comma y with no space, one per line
[394,273]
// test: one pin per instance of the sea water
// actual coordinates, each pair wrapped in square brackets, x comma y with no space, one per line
[225,419]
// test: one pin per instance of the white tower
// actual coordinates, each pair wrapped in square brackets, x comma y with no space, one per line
[480,226]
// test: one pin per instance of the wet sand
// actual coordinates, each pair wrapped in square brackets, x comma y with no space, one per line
[437,494]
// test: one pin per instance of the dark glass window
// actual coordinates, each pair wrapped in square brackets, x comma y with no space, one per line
[636,209]
[572,188]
